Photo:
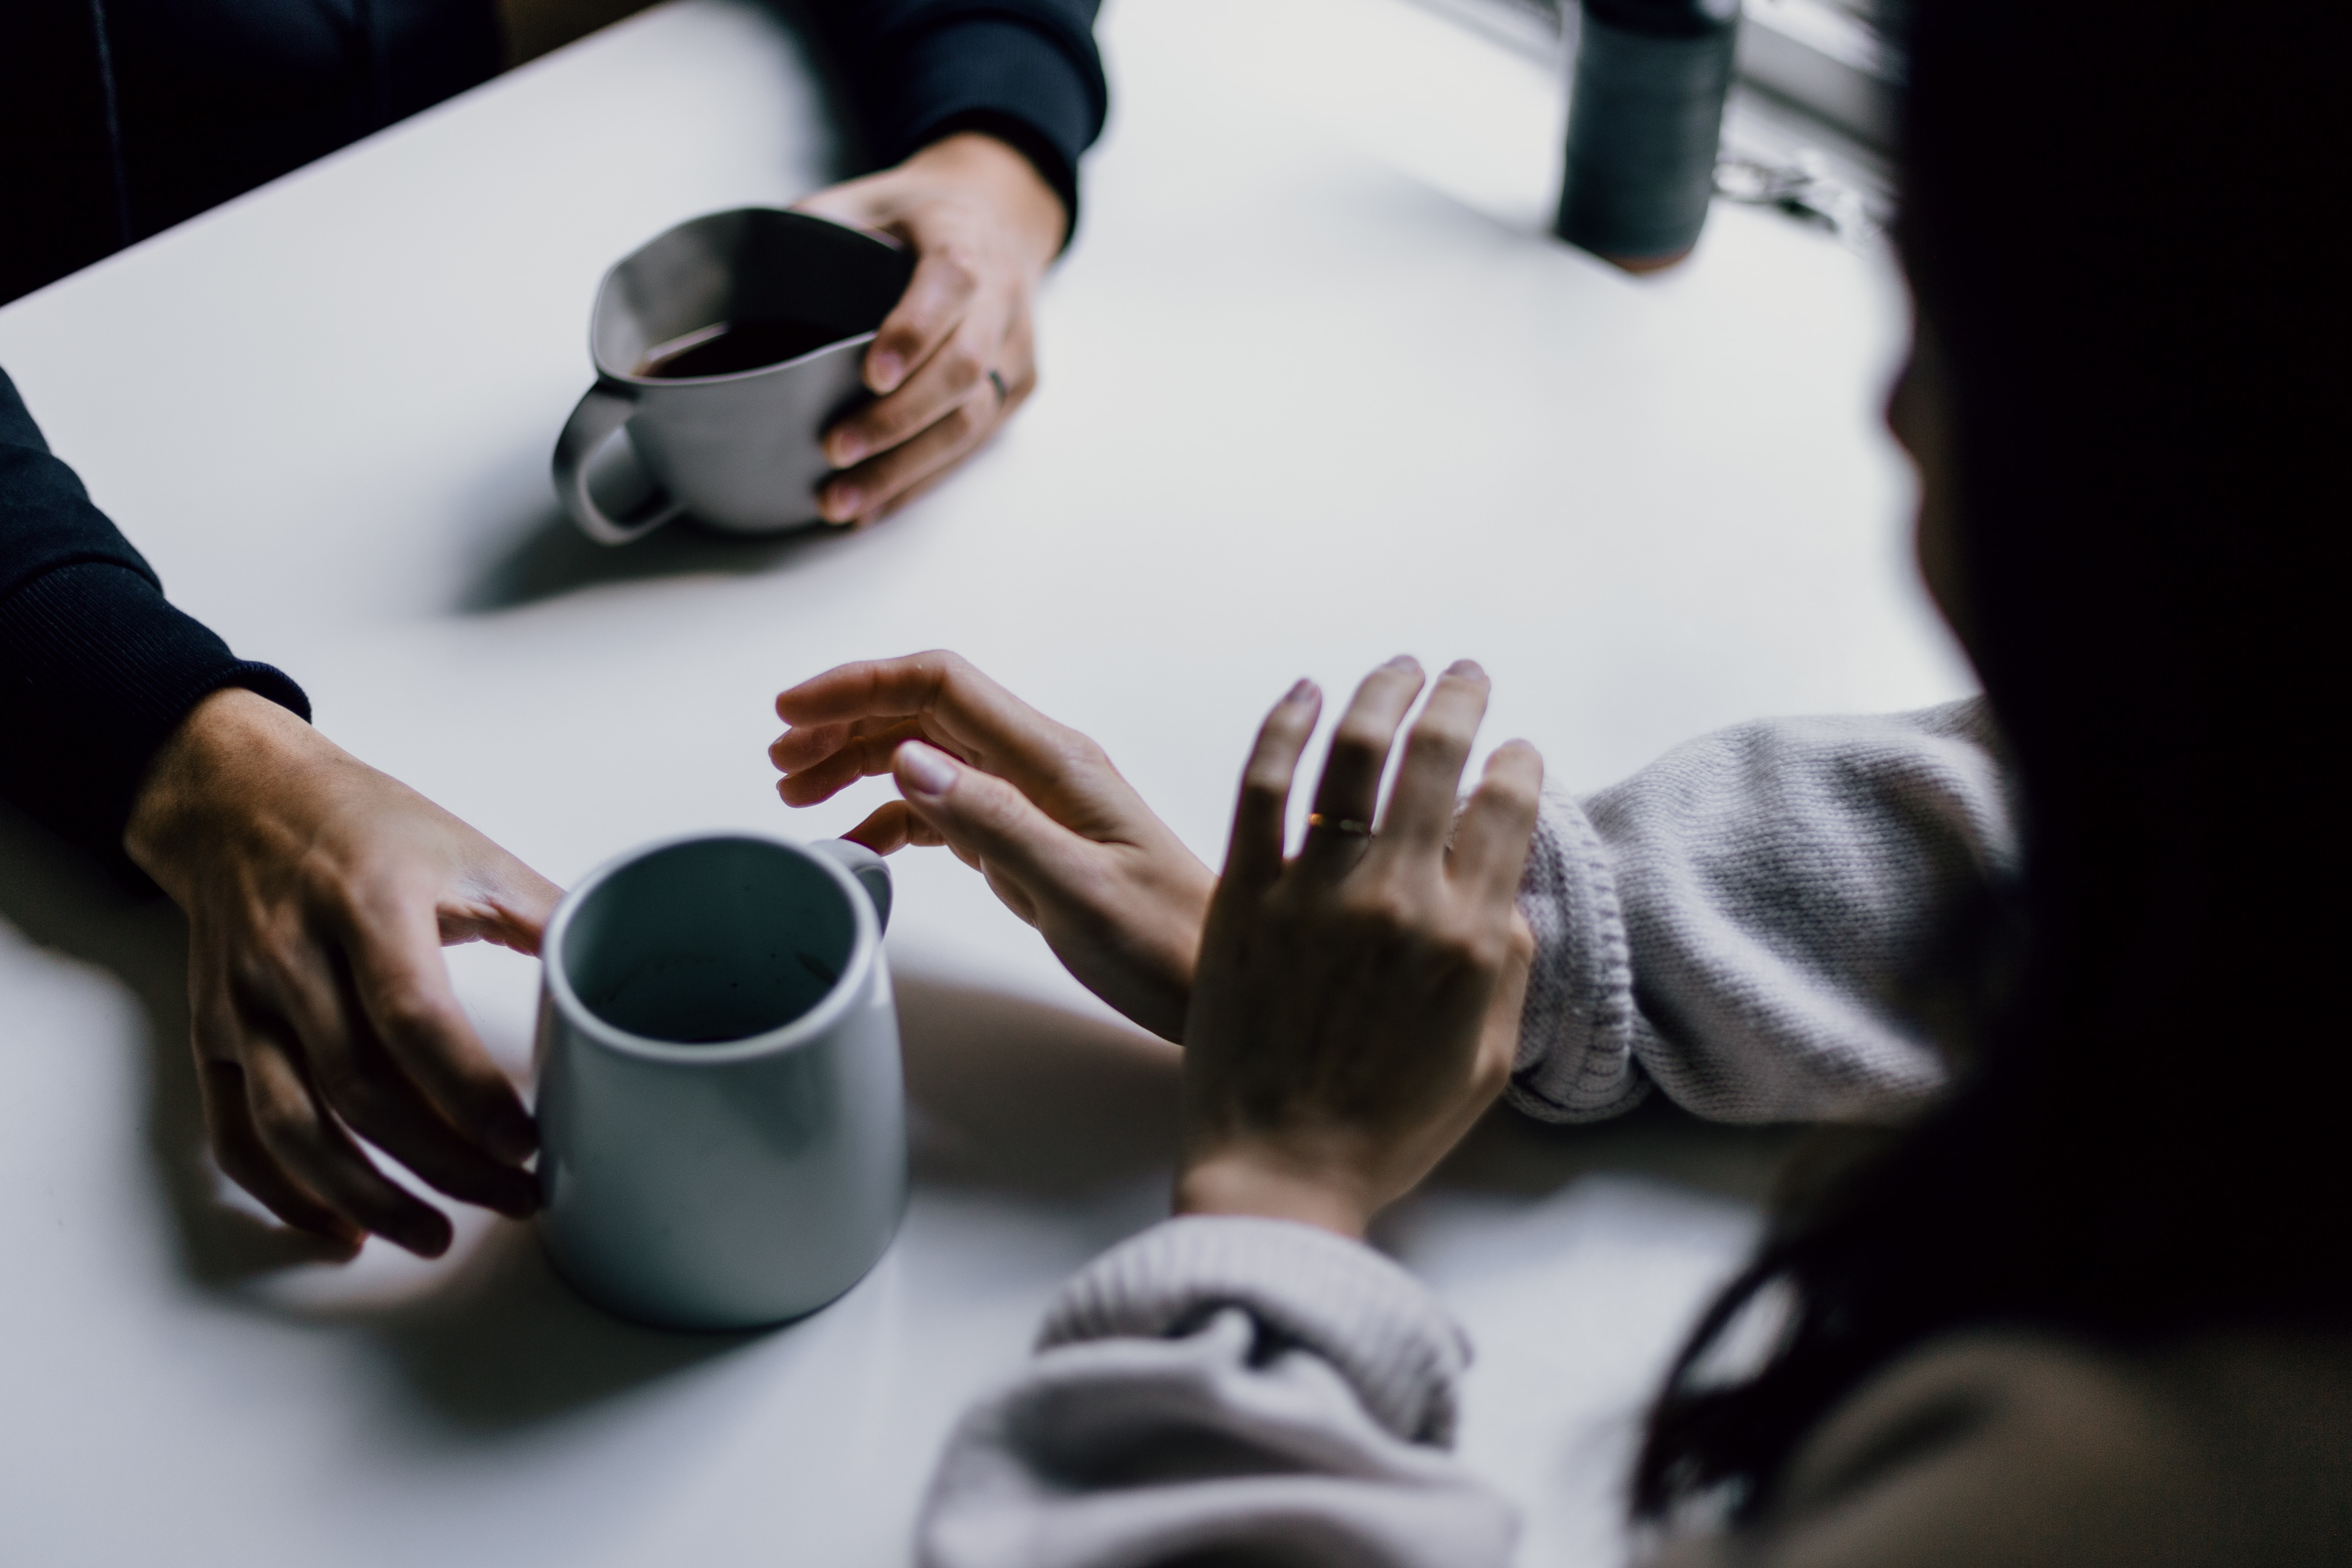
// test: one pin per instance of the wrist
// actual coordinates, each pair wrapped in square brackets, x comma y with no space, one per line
[1010,183]
[1272,1183]
[225,749]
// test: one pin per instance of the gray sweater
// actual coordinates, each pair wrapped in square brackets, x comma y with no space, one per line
[1225,1390]
[1756,922]
[1766,921]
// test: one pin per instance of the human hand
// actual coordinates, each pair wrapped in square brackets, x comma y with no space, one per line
[958,353]
[1355,1008]
[317,893]
[1033,805]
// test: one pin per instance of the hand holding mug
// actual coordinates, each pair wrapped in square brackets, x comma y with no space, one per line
[1033,805]
[1355,1008]
[958,353]
[318,893]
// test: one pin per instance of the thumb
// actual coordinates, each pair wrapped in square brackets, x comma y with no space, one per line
[982,818]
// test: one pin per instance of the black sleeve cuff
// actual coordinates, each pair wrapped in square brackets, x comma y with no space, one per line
[97,670]
[1002,77]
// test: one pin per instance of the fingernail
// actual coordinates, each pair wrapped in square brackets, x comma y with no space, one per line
[1300,692]
[924,771]
[846,449]
[1402,661]
[1468,668]
[841,503]
[882,370]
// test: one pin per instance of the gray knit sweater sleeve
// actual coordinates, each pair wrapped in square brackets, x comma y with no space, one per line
[1766,921]
[1216,1389]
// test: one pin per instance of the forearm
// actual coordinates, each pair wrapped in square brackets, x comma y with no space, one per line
[97,668]
[1780,921]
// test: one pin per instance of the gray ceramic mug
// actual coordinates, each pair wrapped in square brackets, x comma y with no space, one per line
[724,348]
[721,1110]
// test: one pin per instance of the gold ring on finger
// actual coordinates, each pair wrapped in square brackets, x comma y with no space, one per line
[1347,826]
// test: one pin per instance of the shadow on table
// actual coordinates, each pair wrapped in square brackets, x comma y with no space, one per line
[1019,1096]
[550,557]
[1514,1155]
[1024,1097]
[107,917]
[503,1343]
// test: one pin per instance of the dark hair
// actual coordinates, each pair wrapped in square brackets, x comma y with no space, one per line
[2124,222]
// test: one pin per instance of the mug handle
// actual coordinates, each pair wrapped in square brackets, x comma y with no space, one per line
[597,419]
[872,871]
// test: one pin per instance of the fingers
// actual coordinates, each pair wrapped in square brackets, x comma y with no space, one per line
[1254,857]
[1350,788]
[1490,843]
[950,703]
[893,828]
[948,370]
[982,817]
[402,989]
[805,745]
[947,277]
[237,1150]
[856,756]
[873,489]
[520,903]
[304,1142]
[887,689]
[1421,805]
[348,1067]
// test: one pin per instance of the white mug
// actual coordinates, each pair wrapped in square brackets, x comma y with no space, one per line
[721,1110]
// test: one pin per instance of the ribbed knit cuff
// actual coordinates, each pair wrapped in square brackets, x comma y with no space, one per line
[1575,1060]
[1369,1319]
[1005,79]
[97,670]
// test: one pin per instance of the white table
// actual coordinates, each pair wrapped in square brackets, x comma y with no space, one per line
[1316,389]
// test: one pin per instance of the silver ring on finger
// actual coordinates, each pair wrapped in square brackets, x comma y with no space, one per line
[1004,393]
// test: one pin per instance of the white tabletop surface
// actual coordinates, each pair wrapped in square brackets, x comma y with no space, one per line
[1316,389]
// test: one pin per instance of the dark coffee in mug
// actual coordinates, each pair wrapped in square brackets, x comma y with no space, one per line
[729,348]
[724,349]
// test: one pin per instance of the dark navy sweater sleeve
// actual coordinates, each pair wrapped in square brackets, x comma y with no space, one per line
[1025,70]
[97,668]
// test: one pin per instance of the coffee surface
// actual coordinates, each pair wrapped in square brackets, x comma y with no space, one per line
[733,346]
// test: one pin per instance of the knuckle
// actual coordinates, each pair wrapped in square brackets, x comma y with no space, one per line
[962,367]
[405,1011]
[1264,782]
[958,263]
[1519,798]
[960,423]
[281,1121]
[1442,738]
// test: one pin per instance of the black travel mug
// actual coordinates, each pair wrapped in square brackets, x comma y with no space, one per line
[1643,118]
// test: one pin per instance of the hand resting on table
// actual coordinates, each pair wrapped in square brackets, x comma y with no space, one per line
[318,893]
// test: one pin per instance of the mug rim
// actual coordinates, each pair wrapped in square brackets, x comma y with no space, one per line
[631,378]
[816,1021]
